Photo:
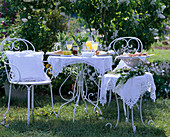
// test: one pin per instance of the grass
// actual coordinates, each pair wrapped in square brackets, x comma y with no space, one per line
[159,55]
[85,125]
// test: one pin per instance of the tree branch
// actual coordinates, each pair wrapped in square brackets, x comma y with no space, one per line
[102,21]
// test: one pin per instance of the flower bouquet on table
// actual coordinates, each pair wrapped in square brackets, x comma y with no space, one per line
[62,38]
[80,39]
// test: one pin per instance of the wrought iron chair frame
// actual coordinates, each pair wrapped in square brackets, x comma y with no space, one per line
[28,84]
[125,49]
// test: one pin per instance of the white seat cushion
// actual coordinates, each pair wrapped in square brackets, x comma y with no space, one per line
[29,64]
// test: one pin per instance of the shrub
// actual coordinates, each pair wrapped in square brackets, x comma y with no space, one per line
[37,21]
[161,75]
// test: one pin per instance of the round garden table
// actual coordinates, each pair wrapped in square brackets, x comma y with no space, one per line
[80,64]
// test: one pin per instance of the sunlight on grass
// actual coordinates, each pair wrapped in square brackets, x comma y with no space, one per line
[159,55]
[85,124]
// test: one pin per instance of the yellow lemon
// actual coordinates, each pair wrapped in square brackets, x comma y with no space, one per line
[88,44]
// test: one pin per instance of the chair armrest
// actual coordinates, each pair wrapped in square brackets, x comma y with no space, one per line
[10,73]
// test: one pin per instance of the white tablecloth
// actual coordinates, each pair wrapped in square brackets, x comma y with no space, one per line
[131,90]
[101,63]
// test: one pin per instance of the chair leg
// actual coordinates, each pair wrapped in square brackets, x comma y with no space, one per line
[124,108]
[127,120]
[32,104]
[110,97]
[133,126]
[141,112]
[52,99]
[117,110]
[28,115]
[117,113]
[9,98]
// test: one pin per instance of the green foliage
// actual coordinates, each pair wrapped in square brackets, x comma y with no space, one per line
[75,25]
[3,76]
[38,22]
[166,11]
[138,18]
[57,81]
[68,86]
[7,17]
[162,85]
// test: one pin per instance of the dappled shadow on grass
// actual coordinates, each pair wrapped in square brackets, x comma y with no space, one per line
[81,127]
[40,100]
[111,111]
[85,125]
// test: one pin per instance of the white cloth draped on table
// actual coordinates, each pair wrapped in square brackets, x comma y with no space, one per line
[102,64]
[131,90]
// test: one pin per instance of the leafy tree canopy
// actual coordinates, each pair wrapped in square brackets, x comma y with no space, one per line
[117,18]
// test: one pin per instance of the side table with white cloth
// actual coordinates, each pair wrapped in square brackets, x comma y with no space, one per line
[130,92]
[129,50]
[101,65]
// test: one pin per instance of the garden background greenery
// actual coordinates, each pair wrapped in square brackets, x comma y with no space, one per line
[40,22]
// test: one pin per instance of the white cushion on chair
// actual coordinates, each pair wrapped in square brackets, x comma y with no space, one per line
[29,64]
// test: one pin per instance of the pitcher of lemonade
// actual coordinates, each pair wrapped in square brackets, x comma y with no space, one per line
[88,43]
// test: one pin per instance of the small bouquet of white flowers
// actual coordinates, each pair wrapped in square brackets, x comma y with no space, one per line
[126,73]
[62,38]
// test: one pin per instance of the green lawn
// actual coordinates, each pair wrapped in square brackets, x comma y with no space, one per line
[159,55]
[85,125]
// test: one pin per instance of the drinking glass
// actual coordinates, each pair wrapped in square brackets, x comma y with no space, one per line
[95,45]
[69,44]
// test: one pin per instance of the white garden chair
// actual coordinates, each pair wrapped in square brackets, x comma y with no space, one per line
[122,45]
[24,66]
[135,87]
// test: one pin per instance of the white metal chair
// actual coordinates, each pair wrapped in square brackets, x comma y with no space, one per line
[126,44]
[123,45]
[24,66]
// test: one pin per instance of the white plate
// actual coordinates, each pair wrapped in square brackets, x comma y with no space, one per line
[66,55]
[127,57]
[104,55]
[52,54]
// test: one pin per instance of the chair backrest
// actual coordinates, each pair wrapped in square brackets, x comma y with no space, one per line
[24,63]
[16,44]
[126,44]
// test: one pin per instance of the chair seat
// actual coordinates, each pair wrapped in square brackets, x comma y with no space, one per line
[45,82]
